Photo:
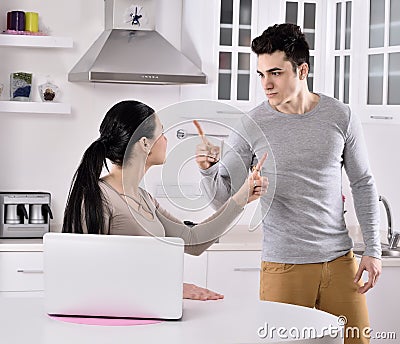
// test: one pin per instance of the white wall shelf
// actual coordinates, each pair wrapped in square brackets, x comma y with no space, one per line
[35,41]
[34,107]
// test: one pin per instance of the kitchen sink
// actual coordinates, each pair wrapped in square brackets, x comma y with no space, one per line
[391,253]
[386,251]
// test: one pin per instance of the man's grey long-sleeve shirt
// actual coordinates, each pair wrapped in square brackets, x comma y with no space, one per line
[303,207]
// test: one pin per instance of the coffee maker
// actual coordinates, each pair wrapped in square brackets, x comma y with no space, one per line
[24,214]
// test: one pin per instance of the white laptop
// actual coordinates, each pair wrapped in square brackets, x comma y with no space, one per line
[113,276]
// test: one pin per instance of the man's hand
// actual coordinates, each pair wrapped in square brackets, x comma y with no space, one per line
[194,292]
[206,153]
[374,268]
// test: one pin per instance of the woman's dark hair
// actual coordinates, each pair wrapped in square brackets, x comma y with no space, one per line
[284,37]
[118,133]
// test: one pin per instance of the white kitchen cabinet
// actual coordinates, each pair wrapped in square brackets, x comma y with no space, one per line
[236,26]
[222,49]
[363,57]
[342,46]
[34,42]
[236,274]
[195,269]
[21,271]
[379,72]
[384,305]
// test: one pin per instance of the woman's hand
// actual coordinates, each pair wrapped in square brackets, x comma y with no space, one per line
[194,292]
[254,187]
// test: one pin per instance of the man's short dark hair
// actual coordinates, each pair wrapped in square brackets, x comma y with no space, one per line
[284,37]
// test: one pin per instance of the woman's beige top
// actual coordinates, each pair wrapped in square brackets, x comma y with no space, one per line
[122,219]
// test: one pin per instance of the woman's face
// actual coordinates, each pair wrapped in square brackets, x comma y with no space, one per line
[158,149]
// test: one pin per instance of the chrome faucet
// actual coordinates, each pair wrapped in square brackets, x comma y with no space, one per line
[393,238]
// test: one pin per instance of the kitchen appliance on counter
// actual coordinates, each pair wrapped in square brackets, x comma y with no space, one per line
[24,214]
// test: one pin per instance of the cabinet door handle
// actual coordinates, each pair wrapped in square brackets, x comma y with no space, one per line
[26,271]
[381,117]
[246,269]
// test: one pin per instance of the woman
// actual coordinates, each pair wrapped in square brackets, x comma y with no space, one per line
[131,137]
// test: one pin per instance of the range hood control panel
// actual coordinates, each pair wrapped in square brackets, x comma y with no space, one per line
[131,14]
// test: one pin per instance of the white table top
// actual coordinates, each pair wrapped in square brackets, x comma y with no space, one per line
[23,320]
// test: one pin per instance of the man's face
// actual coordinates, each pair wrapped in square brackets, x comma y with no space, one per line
[280,83]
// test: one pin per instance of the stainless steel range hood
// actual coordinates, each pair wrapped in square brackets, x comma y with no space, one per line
[134,56]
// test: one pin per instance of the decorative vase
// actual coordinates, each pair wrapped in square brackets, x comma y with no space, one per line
[49,92]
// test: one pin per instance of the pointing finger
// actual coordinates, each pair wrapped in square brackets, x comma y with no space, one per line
[200,131]
[262,160]
[198,127]
[260,163]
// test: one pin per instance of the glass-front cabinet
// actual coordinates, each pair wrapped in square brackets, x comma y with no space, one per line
[382,61]
[342,50]
[364,57]
[384,53]
[303,13]
[236,69]
[354,48]
[242,20]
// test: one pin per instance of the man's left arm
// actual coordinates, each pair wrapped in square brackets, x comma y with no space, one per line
[362,183]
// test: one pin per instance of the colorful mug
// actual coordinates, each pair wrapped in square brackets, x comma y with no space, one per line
[8,20]
[31,21]
[17,21]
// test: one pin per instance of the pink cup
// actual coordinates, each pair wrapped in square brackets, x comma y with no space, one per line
[8,20]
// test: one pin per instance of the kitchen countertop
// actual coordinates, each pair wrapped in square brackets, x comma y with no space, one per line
[23,320]
[237,239]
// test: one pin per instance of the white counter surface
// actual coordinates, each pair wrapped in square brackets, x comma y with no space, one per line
[236,240]
[21,245]
[23,320]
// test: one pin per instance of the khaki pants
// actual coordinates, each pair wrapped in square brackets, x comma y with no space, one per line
[326,286]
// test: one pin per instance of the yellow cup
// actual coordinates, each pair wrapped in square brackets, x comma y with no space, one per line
[31,21]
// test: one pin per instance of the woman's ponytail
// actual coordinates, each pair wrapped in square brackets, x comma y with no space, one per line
[85,201]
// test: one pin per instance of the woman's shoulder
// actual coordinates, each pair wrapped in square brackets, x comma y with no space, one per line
[148,196]
[110,196]
[106,188]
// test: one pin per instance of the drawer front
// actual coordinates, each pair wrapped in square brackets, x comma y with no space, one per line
[234,273]
[21,271]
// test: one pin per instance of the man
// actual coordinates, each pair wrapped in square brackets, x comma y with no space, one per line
[307,257]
